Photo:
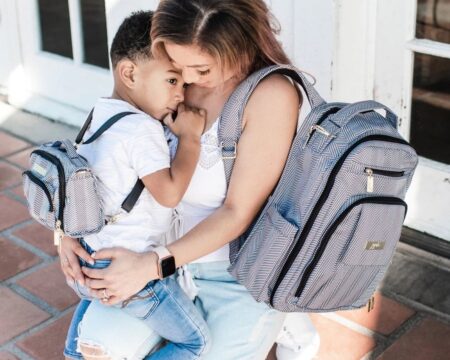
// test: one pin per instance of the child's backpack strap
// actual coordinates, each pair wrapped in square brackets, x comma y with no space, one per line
[138,187]
[230,122]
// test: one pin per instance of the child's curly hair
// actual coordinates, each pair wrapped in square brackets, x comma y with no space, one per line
[132,40]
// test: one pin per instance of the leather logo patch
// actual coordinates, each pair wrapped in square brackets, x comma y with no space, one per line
[375,245]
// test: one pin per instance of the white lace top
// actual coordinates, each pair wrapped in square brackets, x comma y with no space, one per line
[207,189]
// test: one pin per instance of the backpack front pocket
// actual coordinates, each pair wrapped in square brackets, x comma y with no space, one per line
[39,198]
[359,245]
[83,213]
[262,255]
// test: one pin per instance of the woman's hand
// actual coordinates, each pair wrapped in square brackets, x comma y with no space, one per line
[69,251]
[127,274]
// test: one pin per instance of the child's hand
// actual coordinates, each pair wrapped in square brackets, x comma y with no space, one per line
[189,122]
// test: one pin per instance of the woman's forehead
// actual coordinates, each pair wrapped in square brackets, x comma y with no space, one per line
[189,56]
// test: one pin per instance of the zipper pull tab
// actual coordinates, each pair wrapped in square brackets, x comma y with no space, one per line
[58,234]
[369,173]
[371,304]
[311,130]
[320,129]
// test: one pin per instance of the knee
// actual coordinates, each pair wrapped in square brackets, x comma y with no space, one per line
[202,344]
[93,352]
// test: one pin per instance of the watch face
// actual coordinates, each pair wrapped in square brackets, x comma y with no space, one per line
[168,266]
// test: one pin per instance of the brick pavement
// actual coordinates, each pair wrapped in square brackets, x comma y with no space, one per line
[36,304]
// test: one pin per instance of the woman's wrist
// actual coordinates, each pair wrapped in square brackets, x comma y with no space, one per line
[151,265]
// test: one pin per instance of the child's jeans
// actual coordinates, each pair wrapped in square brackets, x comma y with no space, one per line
[164,307]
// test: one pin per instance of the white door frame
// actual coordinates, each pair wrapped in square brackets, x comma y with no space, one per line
[374,53]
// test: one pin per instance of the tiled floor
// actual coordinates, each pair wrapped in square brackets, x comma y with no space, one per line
[36,304]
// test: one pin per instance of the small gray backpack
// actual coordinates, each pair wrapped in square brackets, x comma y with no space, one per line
[327,234]
[61,189]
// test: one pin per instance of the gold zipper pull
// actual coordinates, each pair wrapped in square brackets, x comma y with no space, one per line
[58,234]
[369,173]
[371,304]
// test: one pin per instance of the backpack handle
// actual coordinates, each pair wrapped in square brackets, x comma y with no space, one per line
[343,116]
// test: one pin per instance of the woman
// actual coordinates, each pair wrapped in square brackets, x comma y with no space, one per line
[216,44]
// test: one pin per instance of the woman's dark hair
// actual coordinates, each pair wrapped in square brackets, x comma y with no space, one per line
[240,34]
[132,40]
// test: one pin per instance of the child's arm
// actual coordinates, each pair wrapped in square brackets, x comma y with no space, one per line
[168,185]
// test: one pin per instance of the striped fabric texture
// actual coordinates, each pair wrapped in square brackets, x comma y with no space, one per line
[55,169]
[327,234]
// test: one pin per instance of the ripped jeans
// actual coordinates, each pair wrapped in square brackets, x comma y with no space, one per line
[240,327]
[161,306]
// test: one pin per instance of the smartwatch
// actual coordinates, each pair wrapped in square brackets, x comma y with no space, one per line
[166,262]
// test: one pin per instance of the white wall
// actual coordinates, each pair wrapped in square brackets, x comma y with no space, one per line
[307,34]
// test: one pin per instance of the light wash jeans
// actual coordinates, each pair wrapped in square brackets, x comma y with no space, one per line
[241,328]
[161,306]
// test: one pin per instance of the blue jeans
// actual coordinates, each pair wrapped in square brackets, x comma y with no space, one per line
[161,306]
[241,328]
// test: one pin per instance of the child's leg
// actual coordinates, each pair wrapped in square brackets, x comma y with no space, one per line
[166,309]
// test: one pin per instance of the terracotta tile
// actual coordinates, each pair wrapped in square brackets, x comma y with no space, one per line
[9,176]
[22,158]
[17,315]
[38,236]
[4,355]
[50,285]
[10,144]
[386,316]
[11,212]
[48,343]
[429,340]
[338,342]
[14,259]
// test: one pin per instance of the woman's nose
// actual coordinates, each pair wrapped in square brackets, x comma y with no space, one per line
[190,75]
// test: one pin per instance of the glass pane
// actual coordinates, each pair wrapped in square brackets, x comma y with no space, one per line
[55,27]
[430,114]
[93,19]
[433,20]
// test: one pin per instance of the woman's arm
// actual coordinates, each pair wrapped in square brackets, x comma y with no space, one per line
[270,120]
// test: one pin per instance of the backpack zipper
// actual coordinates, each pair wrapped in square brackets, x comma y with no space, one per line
[59,233]
[301,237]
[388,200]
[370,179]
[320,129]
[41,184]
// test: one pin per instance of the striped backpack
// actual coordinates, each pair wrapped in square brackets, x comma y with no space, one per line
[61,189]
[327,234]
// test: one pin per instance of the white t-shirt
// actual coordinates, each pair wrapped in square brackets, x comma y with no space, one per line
[206,191]
[133,147]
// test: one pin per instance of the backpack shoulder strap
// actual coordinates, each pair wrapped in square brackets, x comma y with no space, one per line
[110,122]
[230,122]
[138,187]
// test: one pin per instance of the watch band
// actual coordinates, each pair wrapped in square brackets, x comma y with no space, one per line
[161,251]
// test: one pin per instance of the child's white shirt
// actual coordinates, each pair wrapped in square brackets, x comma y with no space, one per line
[133,147]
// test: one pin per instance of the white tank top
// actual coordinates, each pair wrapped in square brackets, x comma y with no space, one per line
[207,189]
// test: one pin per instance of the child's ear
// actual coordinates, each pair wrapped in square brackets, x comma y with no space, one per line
[126,70]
